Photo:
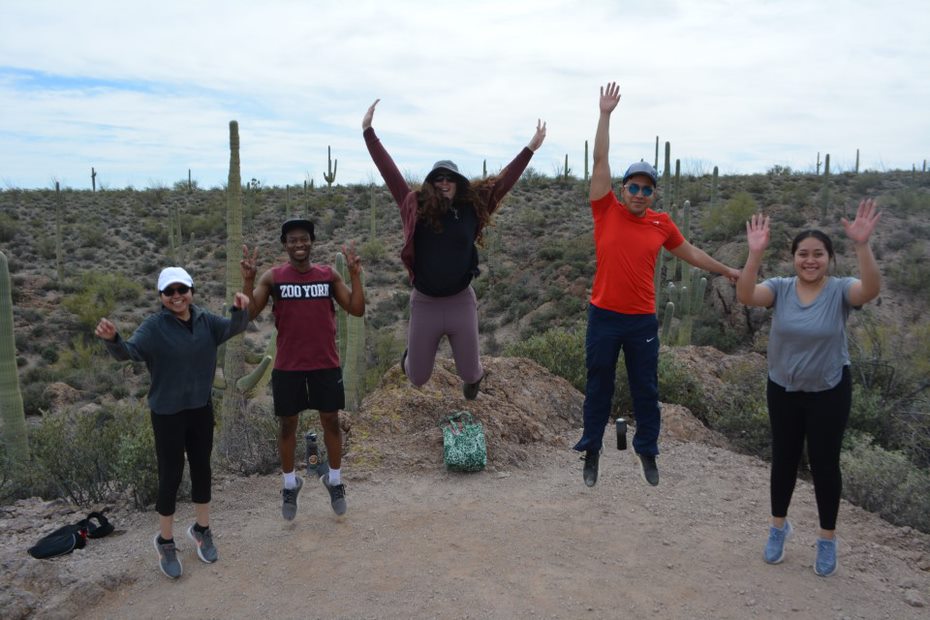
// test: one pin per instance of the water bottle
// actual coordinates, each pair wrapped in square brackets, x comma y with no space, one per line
[313,453]
[621,434]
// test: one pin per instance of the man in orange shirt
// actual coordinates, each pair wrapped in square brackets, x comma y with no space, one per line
[622,315]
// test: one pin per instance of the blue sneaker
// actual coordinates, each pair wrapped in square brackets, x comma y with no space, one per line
[775,547]
[825,564]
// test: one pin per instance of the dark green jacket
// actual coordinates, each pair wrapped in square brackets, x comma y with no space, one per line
[181,361]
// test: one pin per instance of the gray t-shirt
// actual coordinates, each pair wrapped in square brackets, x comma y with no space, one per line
[807,344]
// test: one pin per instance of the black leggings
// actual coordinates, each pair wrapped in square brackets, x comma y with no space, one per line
[821,418]
[190,430]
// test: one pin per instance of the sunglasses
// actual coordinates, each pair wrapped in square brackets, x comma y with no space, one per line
[635,188]
[180,289]
[439,178]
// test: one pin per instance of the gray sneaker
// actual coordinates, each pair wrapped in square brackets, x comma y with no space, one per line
[168,560]
[470,390]
[206,550]
[337,494]
[289,500]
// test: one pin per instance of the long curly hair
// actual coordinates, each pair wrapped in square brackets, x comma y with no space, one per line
[431,205]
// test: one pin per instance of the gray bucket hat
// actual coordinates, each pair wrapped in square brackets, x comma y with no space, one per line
[445,165]
[643,168]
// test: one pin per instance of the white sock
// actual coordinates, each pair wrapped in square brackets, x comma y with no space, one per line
[290,480]
[335,477]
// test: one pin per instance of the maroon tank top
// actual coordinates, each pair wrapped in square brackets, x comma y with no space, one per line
[305,317]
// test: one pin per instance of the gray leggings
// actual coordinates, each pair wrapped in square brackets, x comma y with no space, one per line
[431,318]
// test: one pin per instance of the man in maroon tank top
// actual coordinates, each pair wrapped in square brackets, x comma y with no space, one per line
[307,373]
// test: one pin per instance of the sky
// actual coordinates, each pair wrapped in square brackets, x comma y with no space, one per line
[144,91]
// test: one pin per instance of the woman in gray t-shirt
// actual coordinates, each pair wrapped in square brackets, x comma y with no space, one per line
[809,389]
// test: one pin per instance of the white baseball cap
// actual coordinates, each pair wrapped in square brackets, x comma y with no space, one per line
[172,275]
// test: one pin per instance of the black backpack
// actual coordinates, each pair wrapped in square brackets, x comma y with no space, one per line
[66,539]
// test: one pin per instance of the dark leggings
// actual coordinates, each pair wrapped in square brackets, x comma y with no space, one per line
[819,417]
[188,431]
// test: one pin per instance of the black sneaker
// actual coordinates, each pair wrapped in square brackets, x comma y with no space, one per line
[470,390]
[589,473]
[403,360]
[650,470]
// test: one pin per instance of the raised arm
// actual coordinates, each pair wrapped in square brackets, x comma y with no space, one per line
[352,301]
[859,231]
[600,176]
[747,291]
[389,172]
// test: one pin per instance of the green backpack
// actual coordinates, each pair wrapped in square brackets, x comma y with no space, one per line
[463,445]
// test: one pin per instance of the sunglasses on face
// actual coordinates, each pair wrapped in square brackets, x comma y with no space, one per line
[635,188]
[439,178]
[180,289]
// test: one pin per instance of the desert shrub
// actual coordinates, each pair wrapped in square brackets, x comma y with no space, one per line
[75,455]
[373,251]
[912,201]
[98,294]
[742,416]
[912,272]
[729,219]
[885,482]
[677,386]
[136,467]
[8,227]
[561,351]
[93,236]
[248,443]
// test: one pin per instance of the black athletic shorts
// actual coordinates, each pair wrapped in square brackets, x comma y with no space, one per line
[297,390]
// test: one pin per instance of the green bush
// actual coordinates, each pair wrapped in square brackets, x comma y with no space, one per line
[729,219]
[75,455]
[8,227]
[885,482]
[561,351]
[98,294]
[742,414]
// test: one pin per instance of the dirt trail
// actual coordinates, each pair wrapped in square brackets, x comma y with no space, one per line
[524,539]
[527,543]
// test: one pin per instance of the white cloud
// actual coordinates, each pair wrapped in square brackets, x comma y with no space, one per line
[148,91]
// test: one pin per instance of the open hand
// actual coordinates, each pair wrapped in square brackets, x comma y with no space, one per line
[757,232]
[366,120]
[610,97]
[861,228]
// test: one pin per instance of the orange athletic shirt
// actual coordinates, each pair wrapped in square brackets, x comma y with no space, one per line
[626,247]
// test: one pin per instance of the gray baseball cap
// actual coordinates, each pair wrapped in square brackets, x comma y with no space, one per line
[641,167]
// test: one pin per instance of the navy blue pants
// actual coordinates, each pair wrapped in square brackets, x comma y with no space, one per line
[637,335]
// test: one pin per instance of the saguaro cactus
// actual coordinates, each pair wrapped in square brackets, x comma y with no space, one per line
[330,175]
[93,179]
[585,160]
[59,216]
[714,187]
[234,358]
[12,415]
[350,331]
[825,190]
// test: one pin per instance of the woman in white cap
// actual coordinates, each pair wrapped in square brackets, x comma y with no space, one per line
[178,346]
[443,221]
